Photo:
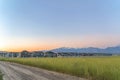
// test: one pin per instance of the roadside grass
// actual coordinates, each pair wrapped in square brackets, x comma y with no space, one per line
[92,68]
[1,76]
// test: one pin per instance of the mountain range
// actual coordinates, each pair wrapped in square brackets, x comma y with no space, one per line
[113,50]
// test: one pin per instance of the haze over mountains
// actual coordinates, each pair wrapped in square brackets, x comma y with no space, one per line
[113,50]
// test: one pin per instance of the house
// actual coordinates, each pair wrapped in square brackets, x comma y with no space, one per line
[50,54]
[37,54]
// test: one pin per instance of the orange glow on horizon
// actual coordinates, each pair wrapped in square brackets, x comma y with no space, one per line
[18,45]
[30,48]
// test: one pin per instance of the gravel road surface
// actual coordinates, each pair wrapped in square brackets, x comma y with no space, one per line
[14,71]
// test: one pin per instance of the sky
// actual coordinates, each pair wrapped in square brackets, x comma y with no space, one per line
[47,24]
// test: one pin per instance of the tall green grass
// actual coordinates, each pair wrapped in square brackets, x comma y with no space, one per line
[92,68]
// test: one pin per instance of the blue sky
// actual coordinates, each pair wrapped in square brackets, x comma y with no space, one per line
[60,23]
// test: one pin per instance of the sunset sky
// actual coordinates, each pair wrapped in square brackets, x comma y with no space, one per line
[47,24]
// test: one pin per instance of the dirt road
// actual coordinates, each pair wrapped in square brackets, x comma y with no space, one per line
[13,71]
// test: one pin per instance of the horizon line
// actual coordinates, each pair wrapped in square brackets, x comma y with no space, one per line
[56,48]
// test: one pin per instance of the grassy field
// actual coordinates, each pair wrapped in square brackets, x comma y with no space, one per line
[92,68]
